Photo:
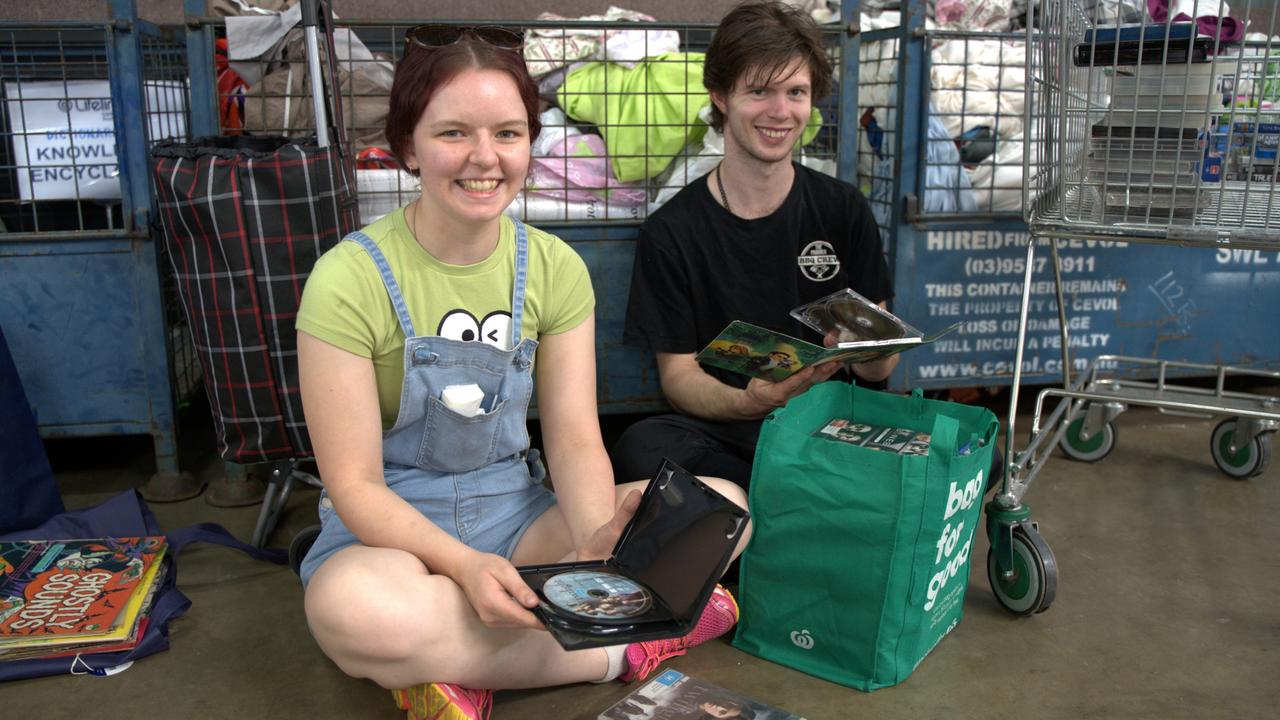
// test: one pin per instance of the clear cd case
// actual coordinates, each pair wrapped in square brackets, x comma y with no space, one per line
[854,321]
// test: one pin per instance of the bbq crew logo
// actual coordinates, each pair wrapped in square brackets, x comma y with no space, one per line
[818,261]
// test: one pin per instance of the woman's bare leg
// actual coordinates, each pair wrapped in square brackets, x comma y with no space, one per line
[379,614]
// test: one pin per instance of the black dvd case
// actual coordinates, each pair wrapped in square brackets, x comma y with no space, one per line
[677,546]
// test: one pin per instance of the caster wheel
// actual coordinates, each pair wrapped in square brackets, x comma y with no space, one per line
[1098,446]
[1244,463]
[1032,585]
[299,546]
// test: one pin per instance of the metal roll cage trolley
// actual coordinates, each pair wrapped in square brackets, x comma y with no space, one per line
[1098,96]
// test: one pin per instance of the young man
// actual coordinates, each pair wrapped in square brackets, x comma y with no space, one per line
[752,239]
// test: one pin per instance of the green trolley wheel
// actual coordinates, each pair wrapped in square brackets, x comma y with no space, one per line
[1245,462]
[1031,586]
[1091,450]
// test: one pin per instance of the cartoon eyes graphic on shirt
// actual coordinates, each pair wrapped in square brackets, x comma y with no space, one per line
[462,325]
[495,329]
[459,325]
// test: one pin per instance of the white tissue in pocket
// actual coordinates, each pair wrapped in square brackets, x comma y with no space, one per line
[463,399]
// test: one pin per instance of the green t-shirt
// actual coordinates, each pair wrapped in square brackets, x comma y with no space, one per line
[346,304]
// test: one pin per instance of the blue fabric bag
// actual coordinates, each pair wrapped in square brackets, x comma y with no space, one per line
[126,515]
[28,495]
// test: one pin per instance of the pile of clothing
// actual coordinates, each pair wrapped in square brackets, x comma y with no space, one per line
[627,126]
[624,125]
[976,93]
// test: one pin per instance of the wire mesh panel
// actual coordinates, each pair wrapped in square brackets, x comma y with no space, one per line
[624,121]
[164,72]
[878,70]
[58,165]
[1160,130]
[167,111]
[969,156]
[976,139]
[57,142]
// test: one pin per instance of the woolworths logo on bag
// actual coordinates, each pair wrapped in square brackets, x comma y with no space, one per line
[802,639]
[957,499]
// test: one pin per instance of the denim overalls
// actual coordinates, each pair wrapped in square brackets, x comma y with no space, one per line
[469,476]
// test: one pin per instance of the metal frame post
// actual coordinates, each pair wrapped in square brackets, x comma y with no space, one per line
[204,80]
[850,54]
[128,101]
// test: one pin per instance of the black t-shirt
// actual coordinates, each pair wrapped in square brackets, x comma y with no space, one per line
[698,267]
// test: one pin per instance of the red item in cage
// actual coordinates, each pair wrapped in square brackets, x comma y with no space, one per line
[375,158]
[231,89]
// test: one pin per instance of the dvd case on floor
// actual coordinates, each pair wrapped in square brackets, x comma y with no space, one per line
[672,695]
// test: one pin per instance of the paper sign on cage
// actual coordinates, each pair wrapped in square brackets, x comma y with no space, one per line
[64,139]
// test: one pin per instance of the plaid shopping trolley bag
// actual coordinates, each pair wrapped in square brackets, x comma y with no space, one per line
[244,219]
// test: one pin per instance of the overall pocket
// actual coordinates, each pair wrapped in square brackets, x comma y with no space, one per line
[456,443]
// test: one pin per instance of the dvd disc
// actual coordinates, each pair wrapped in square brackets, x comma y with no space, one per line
[863,321]
[596,595]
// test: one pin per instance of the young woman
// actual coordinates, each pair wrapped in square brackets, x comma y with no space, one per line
[427,507]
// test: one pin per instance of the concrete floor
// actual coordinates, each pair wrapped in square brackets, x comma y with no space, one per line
[1167,608]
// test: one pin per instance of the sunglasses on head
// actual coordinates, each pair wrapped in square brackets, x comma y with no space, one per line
[436,36]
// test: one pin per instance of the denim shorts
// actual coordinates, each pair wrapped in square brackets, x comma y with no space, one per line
[487,509]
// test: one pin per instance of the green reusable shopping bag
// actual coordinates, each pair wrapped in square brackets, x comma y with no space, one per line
[859,558]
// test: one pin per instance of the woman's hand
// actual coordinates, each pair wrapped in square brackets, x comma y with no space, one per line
[497,592]
[602,541]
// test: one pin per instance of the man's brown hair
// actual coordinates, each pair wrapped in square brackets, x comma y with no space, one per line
[763,38]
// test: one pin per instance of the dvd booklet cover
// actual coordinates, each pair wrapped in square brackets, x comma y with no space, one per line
[862,332]
[672,695]
[751,350]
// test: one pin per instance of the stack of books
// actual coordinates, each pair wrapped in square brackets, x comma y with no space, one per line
[76,597]
[1147,156]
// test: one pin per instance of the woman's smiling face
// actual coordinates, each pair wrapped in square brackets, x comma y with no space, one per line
[471,146]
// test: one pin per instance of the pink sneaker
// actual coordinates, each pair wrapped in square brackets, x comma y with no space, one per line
[718,617]
[444,701]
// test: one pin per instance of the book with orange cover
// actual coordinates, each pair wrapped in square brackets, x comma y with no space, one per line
[63,592]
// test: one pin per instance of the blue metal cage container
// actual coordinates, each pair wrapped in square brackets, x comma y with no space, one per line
[82,296]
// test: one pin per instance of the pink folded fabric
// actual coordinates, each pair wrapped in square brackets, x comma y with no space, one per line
[577,169]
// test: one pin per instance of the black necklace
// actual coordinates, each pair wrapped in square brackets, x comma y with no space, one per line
[720,184]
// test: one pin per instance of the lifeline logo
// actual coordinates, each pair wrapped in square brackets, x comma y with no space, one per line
[802,639]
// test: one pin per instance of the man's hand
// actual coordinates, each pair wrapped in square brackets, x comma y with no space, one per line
[497,592]
[761,397]
[602,541]
[872,370]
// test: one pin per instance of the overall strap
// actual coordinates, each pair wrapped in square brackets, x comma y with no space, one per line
[393,288]
[522,272]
